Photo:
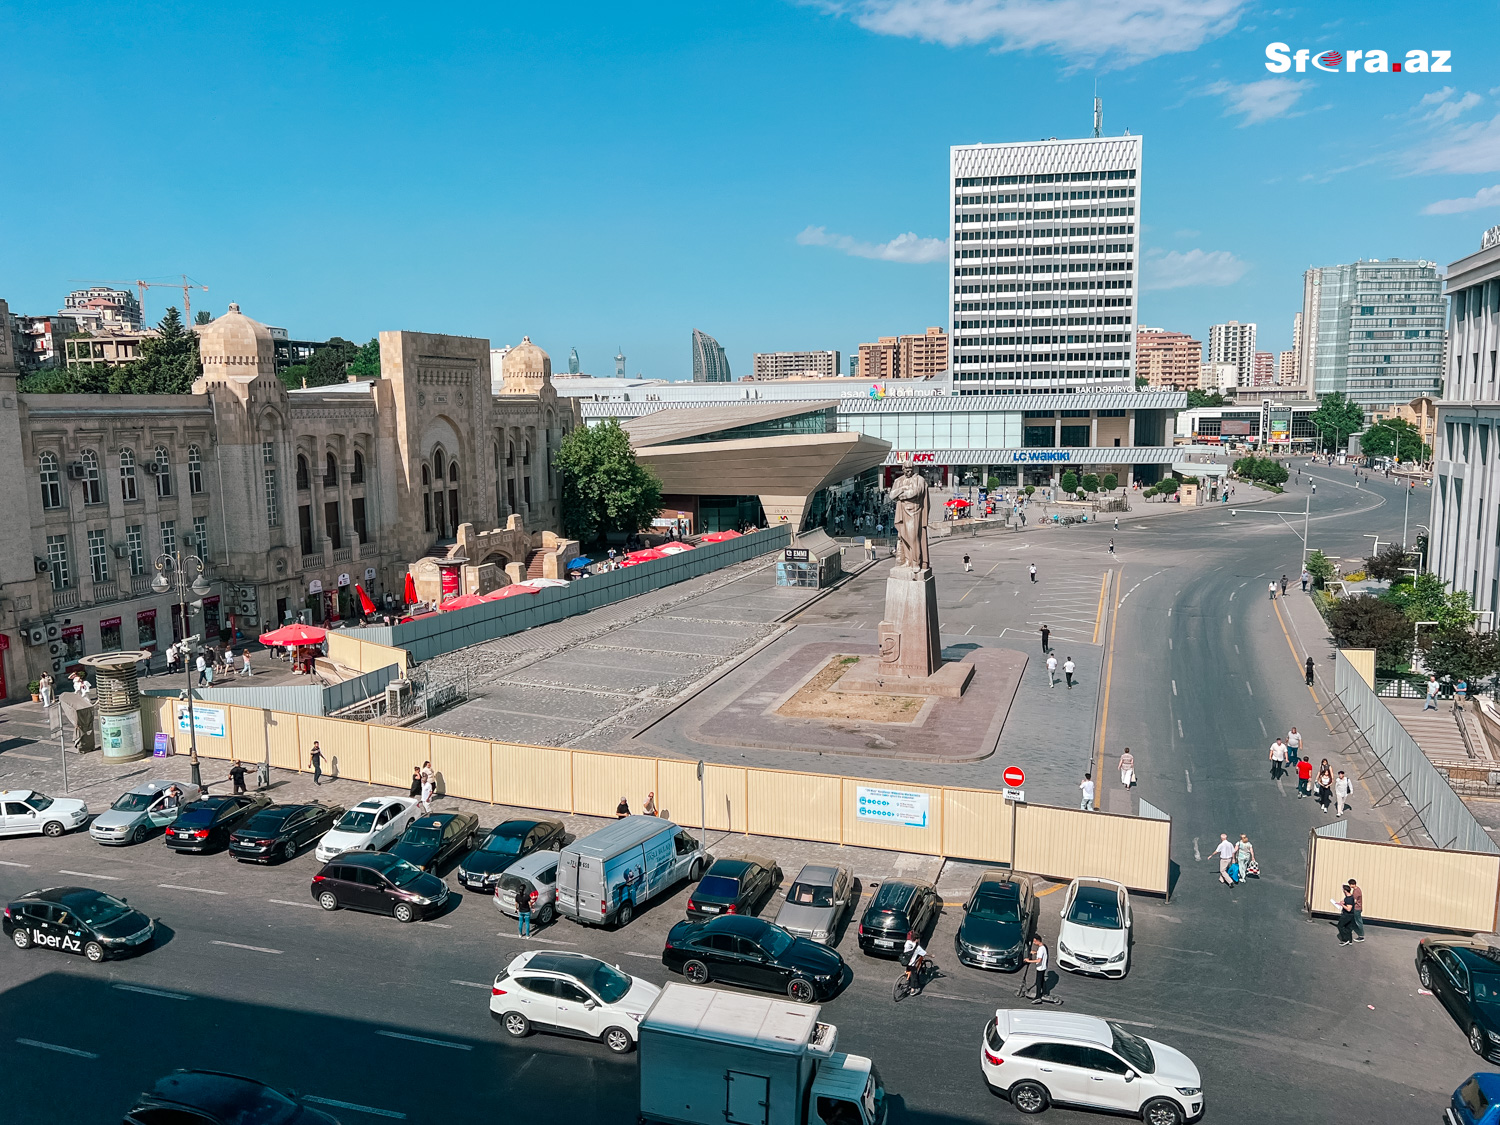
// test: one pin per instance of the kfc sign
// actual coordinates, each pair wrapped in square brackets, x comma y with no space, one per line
[920,458]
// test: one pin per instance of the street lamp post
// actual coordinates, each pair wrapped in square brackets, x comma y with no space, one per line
[172,572]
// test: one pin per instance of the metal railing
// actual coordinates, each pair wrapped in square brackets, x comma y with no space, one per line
[343,554]
[63,599]
[104,591]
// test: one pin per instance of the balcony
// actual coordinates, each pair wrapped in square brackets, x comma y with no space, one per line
[62,599]
[104,592]
[140,585]
[343,555]
[312,562]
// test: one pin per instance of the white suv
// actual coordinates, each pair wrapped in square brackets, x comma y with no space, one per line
[1037,1059]
[571,993]
[368,826]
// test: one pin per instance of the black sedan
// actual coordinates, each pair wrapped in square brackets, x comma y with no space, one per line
[206,824]
[738,949]
[379,883]
[77,920]
[481,869]
[898,908]
[999,921]
[435,839]
[206,1097]
[735,885]
[280,831]
[1464,975]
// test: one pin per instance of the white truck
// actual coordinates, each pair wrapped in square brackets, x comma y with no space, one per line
[722,1058]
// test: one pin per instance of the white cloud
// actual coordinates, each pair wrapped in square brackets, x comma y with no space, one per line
[906,247]
[1178,269]
[1463,148]
[1436,96]
[1082,31]
[1484,197]
[1444,110]
[1260,101]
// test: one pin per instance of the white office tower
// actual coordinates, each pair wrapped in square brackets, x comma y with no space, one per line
[1234,343]
[1044,260]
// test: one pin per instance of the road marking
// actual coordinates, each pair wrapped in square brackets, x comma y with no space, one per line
[470,983]
[90,875]
[199,890]
[1232,593]
[1230,619]
[29,757]
[1262,723]
[647,956]
[1099,613]
[1169,608]
[1169,642]
[1109,669]
[10,863]
[144,991]
[251,948]
[284,902]
[1248,688]
[439,925]
[1174,687]
[527,937]
[1188,776]
[424,1039]
[54,1047]
[1196,854]
[1181,735]
[1236,650]
[364,1108]
[1244,584]
[1174,949]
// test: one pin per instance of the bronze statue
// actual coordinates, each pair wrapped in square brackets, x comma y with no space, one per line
[910,495]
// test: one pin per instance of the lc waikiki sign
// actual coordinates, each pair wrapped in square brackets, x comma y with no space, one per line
[1280,58]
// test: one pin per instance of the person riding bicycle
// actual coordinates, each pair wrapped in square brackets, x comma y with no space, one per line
[915,957]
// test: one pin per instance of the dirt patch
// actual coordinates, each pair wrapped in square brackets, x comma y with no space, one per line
[820,699]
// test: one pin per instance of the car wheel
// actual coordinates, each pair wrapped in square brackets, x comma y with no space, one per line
[696,972]
[328,900]
[22,939]
[1162,1112]
[516,1024]
[544,915]
[801,991]
[1476,1040]
[1029,1097]
[627,912]
[52,829]
[405,912]
[618,1040]
[1424,974]
[289,851]
[139,835]
[93,951]
[696,871]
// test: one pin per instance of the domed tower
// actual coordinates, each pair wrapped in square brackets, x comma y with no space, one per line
[236,351]
[527,369]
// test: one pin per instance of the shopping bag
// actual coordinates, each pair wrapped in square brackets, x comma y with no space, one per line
[1234,872]
[1253,868]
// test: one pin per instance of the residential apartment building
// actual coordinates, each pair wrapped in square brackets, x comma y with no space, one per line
[40,341]
[1043,261]
[1373,330]
[904,357]
[1218,378]
[1263,370]
[1286,375]
[1234,343]
[710,364]
[797,365]
[100,307]
[1165,359]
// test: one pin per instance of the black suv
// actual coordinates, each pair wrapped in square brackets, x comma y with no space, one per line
[999,921]
[1464,975]
[735,885]
[280,831]
[900,907]
[205,825]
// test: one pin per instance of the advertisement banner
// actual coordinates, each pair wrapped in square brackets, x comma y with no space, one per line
[893,806]
[206,720]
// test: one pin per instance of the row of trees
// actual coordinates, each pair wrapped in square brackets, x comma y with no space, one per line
[1074,485]
[333,362]
[1264,470]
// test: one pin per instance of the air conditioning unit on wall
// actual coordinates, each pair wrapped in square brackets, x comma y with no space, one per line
[34,635]
[121,550]
[75,470]
[54,630]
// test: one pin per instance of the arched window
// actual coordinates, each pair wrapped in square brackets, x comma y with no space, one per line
[163,469]
[304,474]
[51,482]
[93,487]
[453,472]
[426,498]
[438,463]
[127,475]
[330,471]
[453,495]
[358,476]
[195,470]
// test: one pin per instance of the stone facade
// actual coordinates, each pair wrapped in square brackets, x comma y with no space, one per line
[291,497]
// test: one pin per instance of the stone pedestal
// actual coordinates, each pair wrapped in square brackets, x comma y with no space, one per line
[911,660]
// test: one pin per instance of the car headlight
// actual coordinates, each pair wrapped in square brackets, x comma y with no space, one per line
[1190,1091]
[1494,1038]
[1117,958]
[1064,948]
[420,900]
[637,1016]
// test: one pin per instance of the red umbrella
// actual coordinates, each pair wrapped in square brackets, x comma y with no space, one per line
[294,634]
[410,591]
[510,591]
[364,600]
[463,602]
[674,548]
[720,536]
[647,555]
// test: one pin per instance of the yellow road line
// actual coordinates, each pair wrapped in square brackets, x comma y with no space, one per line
[1049,890]
[1099,613]
[1109,674]
[986,574]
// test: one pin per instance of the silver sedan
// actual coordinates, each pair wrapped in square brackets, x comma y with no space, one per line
[147,807]
[817,902]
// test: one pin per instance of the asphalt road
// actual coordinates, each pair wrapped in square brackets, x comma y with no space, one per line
[393,1020]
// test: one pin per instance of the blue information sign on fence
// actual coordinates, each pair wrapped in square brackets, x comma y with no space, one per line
[894,806]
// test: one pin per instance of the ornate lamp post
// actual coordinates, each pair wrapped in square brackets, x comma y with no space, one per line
[185,573]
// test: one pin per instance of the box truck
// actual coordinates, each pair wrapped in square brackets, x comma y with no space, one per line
[722,1058]
[603,877]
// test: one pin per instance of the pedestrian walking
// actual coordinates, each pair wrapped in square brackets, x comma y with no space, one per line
[1225,852]
[1283,585]
[1086,787]
[1117,523]
[1315,488]
[1343,789]
[1244,855]
[1293,745]
[1346,915]
[1068,668]
[1325,785]
[1432,694]
[968,566]
[523,911]
[245,669]
[1111,548]
[1271,589]
[237,775]
[623,808]
[1046,637]
[1278,759]
[429,786]
[315,759]
[1304,778]
[1306,578]
[44,685]
[202,666]
[1308,669]
[1033,572]
[416,782]
[1127,769]
[1357,915]
[1051,671]
[228,660]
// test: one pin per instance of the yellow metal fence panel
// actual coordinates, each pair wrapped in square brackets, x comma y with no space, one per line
[976,825]
[722,795]
[394,753]
[600,780]
[1445,890]
[1067,843]
[281,733]
[799,806]
[872,812]
[364,655]
[533,777]
[345,745]
[463,765]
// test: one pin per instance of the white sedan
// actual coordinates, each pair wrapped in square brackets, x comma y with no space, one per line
[25,812]
[571,993]
[1095,933]
[369,826]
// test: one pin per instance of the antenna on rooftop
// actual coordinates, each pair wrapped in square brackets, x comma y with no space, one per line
[1098,112]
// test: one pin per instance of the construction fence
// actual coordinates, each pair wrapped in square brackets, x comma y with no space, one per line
[1437,888]
[971,824]
[363,655]
[304,699]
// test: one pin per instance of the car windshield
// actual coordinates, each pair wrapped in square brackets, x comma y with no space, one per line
[423,837]
[807,894]
[775,941]
[133,802]
[718,886]
[503,845]
[1096,907]
[1487,988]
[267,821]
[357,820]
[996,907]
[39,801]
[96,909]
[1133,1049]
[893,896]
[606,981]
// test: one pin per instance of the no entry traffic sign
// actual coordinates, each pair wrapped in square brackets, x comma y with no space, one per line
[1015,777]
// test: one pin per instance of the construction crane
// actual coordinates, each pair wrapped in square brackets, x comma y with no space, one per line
[187,285]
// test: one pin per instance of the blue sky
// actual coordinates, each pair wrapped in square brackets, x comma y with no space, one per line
[606,175]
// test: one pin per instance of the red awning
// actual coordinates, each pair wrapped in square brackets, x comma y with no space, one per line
[294,634]
[510,591]
[466,601]
[719,536]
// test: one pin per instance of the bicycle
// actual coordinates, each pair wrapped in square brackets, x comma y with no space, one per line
[914,979]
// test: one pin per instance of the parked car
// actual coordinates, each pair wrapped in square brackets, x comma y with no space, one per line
[1095,934]
[205,825]
[1037,1059]
[77,920]
[26,812]
[368,826]
[434,839]
[1475,1102]
[605,876]
[818,902]
[571,993]
[280,831]
[378,883]
[899,907]
[738,949]
[1463,975]
[733,885]
[205,1097]
[481,869]
[1000,918]
[537,875]
[147,807]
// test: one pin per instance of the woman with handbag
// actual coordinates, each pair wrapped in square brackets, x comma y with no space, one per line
[1325,785]
[1244,855]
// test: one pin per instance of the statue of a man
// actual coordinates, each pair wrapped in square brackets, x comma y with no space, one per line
[910,495]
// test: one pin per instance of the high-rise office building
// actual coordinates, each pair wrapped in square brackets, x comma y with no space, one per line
[1263,370]
[710,364]
[620,363]
[572,361]
[1373,330]
[797,365]
[1165,359]
[1234,343]
[1043,264]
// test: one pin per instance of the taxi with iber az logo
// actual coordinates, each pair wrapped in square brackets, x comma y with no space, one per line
[76,920]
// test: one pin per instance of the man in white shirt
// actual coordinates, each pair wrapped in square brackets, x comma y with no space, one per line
[1225,852]
[1051,671]
[1278,759]
[1038,959]
[1086,787]
[202,666]
[1432,694]
[1293,746]
[1068,669]
[1343,789]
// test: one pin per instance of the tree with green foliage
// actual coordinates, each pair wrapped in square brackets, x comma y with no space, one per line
[1389,564]
[1457,654]
[1110,482]
[1394,437]
[1090,483]
[1204,398]
[1336,418]
[1141,382]
[167,364]
[604,489]
[366,361]
[1320,566]
[203,316]
[1030,489]
[1428,598]
[1070,482]
[1364,621]
[1268,470]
